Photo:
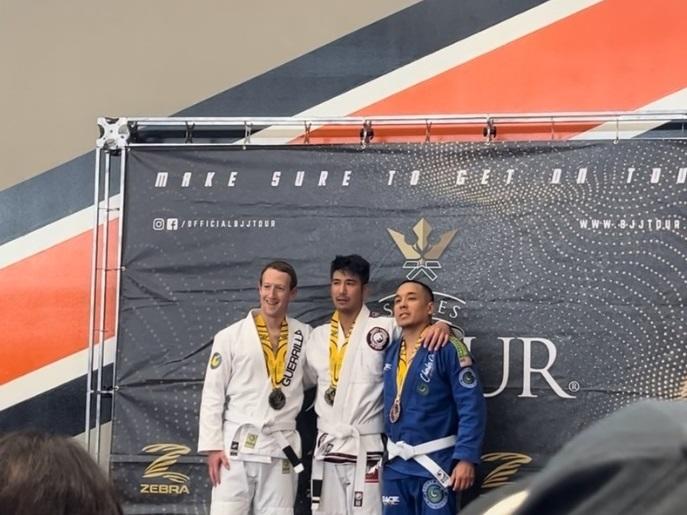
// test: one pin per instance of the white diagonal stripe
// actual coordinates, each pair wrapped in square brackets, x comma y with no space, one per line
[431,65]
[51,376]
[624,130]
[52,234]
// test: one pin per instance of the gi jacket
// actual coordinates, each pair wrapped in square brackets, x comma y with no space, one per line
[442,396]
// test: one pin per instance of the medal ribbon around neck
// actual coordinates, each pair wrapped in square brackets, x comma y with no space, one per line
[336,353]
[404,365]
[274,361]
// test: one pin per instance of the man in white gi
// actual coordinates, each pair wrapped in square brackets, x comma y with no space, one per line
[252,393]
[345,359]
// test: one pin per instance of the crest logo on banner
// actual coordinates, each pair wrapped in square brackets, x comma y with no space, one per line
[176,482]
[421,256]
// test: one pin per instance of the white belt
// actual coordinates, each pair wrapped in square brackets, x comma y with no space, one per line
[337,431]
[274,430]
[419,453]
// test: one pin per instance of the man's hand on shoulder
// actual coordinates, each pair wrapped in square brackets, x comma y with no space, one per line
[463,476]
[435,336]
[216,459]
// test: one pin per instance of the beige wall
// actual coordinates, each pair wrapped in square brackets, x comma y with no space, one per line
[66,63]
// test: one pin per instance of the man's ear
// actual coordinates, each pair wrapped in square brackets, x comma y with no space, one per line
[292,293]
[366,290]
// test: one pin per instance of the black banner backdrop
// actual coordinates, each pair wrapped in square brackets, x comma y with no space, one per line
[564,261]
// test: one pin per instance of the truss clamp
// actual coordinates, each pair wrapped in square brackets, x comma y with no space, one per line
[114,133]
[489,130]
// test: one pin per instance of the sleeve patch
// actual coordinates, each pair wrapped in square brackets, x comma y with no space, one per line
[215,360]
[467,378]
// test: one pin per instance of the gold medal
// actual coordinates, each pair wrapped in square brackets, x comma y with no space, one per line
[336,357]
[404,362]
[395,411]
[329,395]
[277,399]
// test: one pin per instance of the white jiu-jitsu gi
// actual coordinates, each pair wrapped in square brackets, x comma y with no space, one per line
[262,443]
[349,443]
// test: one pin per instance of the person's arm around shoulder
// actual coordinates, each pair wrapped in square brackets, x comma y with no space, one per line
[439,333]
[468,396]
[217,377]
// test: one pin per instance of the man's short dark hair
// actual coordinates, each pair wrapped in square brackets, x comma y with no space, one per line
[353,264]
[43,473]
[427,289]
[282,266]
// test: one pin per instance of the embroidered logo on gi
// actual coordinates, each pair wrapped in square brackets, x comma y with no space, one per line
[285,467]
[378,338]
[387,367]
[428,368]
[422,388]
[372,476]
[234,449]
[391,500]
[215,360]
[467,378]
[434,495]
[251,441]
[421,257]
[358,499]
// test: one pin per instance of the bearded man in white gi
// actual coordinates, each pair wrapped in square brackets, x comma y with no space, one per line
[252,393]
[345,359]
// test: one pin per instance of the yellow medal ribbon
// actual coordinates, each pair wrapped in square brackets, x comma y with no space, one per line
[336,352]
[404,363]
[275,361]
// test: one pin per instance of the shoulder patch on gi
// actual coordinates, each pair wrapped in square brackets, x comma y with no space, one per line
[378,338]
[464,357]
[467,378]
[215,360]
[434,495]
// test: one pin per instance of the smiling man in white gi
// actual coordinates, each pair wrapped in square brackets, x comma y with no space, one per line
[252,393]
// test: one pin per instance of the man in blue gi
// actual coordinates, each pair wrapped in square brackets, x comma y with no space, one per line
[435,414]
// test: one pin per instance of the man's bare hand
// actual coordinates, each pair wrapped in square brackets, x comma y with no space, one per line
[215,461]
[435,336]
[463,476]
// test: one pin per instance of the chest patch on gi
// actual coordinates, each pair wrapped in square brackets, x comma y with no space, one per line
[422,388]
[378,338]
[467,378]
[434,495]
[215,360]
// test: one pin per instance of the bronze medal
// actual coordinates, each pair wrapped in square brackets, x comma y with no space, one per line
[395,411]
[277,399]
[329,395]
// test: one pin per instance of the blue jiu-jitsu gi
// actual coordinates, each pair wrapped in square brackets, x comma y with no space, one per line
[440,421]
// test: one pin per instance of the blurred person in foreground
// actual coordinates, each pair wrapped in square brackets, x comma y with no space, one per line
[633,462]
[43,474]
